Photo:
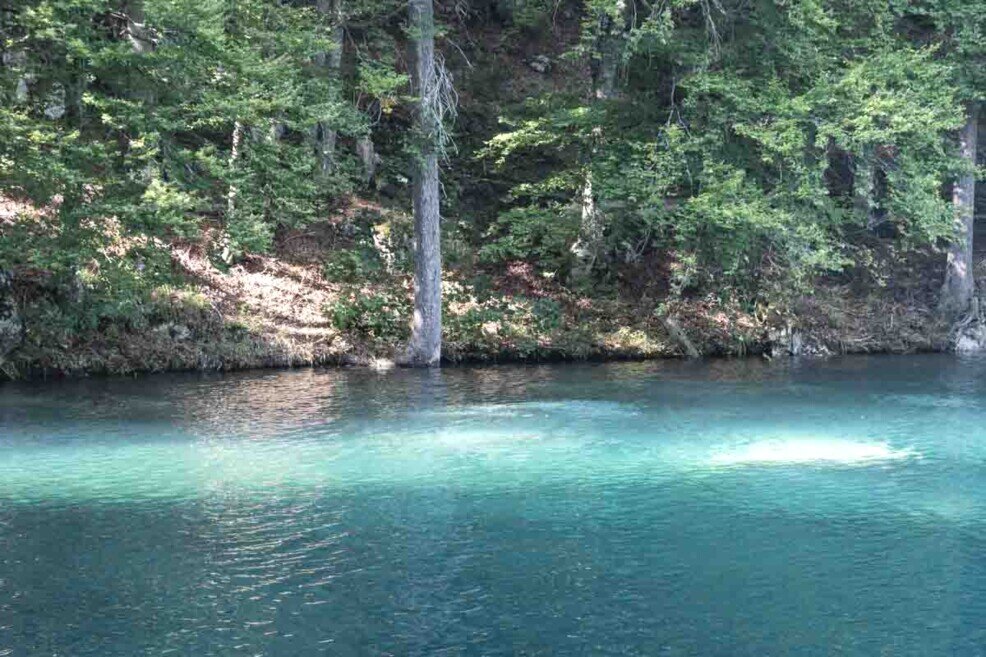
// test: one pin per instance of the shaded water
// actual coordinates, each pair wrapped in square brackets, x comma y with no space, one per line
[726,508]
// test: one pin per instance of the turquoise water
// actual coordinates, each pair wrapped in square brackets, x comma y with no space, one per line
[728,508]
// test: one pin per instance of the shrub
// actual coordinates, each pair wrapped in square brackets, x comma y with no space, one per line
[379,318]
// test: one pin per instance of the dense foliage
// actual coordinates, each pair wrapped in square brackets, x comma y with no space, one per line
[747,147]
[754,141]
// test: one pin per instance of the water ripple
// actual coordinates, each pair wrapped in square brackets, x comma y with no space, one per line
[726,508]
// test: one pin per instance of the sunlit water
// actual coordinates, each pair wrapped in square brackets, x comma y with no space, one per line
[728,508]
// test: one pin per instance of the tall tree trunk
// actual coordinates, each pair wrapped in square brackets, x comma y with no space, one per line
[75,94]
[864,185]
[609,50]
[425,348]
[324,136]
[222,245]
[588,246]
[11,324]
[234,155]
[605,68]
[368,156]
[17,59]
[141,40]
[871,185]
[959,287]
[137,33]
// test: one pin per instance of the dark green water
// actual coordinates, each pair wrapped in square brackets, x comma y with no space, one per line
[727,508]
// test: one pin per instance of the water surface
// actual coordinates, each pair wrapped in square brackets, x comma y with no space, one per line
[726,508]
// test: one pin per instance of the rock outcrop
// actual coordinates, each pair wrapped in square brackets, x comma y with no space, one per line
[793,342]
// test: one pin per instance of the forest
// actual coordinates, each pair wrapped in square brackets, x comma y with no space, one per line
[220,184]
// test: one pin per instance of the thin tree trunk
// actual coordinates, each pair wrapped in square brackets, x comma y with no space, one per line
[605,68]
[222,244]
[75,94]
[959,286]
[324,136]
[609,51]
[425,348]
[864,186]
[11,325]
[368,156]
[137,33]
[234,155]
[141,40]
[18,59]
[592,230]
[678,334]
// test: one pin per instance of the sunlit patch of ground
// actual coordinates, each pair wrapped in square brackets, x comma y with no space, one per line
[281,303]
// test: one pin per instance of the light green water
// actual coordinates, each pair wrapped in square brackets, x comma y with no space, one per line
[726,508]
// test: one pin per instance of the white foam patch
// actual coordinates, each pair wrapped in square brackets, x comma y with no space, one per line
[810,450]
[475,440]
[581,409]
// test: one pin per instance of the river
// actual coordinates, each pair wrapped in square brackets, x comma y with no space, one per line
[669,508]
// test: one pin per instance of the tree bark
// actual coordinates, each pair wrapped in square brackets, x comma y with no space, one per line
[331,61]
[675,331]
[141,39]
[234,155]
[17,59]
[960,286]
[588,246]
[605,69]
[137,34]
[11,325]
[368,156]
[609,51]
[425,348]
[864,186]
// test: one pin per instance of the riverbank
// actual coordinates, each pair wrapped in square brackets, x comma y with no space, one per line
[291,309]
